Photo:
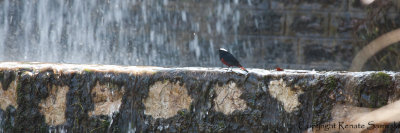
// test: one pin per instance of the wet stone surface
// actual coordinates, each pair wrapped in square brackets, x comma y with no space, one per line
[107,98]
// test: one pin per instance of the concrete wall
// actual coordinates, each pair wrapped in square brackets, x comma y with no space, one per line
[37,97]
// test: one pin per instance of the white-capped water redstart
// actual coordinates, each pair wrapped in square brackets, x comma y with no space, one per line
[229,60]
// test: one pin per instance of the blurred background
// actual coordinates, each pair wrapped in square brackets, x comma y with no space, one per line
[294,34]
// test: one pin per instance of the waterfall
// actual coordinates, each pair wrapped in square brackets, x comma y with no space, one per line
[121,32]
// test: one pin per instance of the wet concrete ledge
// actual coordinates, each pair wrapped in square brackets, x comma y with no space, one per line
[45,97]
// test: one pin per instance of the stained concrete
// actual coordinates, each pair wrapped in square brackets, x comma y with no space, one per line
[8,95]
[228,98]
[54,106]
[289,96]
[107,98]
[166,99]
[42,97]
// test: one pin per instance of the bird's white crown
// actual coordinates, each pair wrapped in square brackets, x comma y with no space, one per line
[223,49]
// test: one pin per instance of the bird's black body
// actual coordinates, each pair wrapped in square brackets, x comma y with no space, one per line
[228,59]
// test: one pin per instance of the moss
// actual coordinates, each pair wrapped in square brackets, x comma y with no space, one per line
[331,82]
[376,90]
[87,70]
[76,121]
[181,112]
[103,125]
[221,124]
[322,103]
[377,100]
[374,99]
[19,93]
[381,78]
[382,102]
[43,129]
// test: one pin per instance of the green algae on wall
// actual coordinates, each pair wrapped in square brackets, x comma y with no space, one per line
[376,90]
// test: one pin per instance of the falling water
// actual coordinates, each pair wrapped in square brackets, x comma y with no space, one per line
[122,32]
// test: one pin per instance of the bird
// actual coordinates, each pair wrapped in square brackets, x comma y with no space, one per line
[229,60]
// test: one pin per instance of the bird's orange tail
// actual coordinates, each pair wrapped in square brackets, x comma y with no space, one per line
[244,69]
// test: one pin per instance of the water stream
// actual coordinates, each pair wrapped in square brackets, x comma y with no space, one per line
[121,32]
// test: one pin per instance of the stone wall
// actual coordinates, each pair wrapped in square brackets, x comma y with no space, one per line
[36,97]
[302,34]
